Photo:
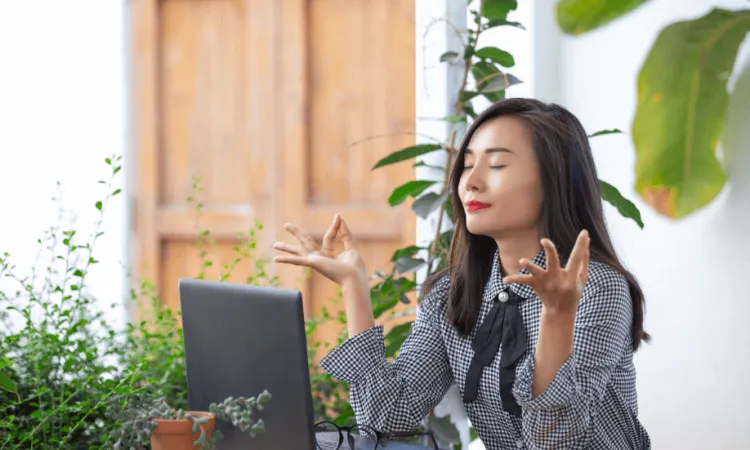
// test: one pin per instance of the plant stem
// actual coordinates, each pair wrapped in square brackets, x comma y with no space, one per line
[451,147]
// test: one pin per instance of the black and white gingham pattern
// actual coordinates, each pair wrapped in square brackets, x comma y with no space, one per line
[591,404]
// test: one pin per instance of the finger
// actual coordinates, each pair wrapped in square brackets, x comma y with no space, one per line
[293,260]
[329,240]
[553,259]
[289,248]
[579,251]
[307,242]
[519,279]
[346,236]
[532,268]
[583,273]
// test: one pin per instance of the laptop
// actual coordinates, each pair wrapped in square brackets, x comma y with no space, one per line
[239,341]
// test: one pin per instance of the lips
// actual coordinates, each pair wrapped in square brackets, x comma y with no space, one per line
[476,206]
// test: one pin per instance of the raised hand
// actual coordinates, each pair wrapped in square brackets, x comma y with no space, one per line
[342,268]
[560,289]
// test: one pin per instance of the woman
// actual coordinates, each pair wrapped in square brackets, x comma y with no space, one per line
[535,320]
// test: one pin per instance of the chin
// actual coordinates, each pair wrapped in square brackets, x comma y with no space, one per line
[479,228]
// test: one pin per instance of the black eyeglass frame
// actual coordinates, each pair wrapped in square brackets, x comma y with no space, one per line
[378,435]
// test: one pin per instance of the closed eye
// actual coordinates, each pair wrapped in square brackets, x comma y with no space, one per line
[491,167]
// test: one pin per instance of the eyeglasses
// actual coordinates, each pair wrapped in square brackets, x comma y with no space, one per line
[329,436]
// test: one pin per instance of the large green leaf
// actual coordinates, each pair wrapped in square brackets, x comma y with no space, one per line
[498,9]
[491,82]
[581,16]
[406,154]
[428,203]
[682,103]
[496,55]
[624,206]
[410,188]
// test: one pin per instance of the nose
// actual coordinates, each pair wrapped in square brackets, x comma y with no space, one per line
[474,179]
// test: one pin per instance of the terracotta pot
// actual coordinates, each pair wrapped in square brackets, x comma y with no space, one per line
[178,434]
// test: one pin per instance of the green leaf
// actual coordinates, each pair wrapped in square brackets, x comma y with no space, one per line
[424,164]
[682,104]
[7,384]
[604,132]
[465,96]
[450,57]
[581,16]
[99,206]
[407,153]
[624,206]
[491,82]
[428,203]
[455,119]
[388,293]
[411,188]
[408,265]
[395,338]
[498,9]
[443,428]
[406,252]
[502,22]
[496,55]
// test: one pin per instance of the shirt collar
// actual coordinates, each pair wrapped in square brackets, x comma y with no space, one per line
[496,279]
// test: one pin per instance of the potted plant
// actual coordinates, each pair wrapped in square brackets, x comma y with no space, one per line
[156,423]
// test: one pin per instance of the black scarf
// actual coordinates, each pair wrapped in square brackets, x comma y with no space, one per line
[503,324]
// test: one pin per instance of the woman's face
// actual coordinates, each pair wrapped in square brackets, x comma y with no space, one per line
[500,187]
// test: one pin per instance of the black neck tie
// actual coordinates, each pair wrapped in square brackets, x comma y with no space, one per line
[503,324]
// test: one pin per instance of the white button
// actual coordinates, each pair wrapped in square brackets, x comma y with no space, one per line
[519,444]
[503,297]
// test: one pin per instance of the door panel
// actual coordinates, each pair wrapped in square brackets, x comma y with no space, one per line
[280,108]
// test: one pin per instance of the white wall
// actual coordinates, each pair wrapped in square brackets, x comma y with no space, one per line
[693,378]
[62,111]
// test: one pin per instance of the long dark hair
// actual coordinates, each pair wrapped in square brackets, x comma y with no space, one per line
[572,202]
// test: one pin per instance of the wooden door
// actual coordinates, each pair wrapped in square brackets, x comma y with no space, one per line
[263,101]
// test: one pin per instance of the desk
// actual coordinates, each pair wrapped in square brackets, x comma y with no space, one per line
[328,440]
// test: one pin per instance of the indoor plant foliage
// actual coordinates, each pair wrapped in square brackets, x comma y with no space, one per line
[164,427]
[682,101]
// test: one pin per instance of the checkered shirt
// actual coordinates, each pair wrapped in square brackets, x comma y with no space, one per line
[590,404]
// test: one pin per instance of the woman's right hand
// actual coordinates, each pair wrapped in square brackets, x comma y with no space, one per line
[346,267]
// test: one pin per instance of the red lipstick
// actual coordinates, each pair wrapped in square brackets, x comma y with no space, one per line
[476,206]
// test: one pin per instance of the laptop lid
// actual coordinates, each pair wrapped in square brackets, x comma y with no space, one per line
[239,341]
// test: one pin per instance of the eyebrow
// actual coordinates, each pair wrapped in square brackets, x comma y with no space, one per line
[492,150]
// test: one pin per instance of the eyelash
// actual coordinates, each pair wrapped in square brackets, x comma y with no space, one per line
[491,167]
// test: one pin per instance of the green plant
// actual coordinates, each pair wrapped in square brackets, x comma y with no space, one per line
[64,352]
[69,362]
[682,101]
[137,419]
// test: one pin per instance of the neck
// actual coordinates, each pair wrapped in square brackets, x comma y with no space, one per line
[517,245]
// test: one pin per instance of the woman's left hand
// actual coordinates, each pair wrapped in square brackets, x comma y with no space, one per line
[559,288]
